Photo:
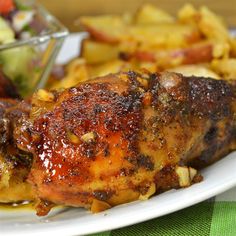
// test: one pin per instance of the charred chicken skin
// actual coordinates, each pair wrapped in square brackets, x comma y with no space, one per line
[124,137]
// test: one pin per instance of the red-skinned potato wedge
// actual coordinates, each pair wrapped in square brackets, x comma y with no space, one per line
[164,35]
[201,52]
[114,29]
[155,37]
[105,28]
[197,53]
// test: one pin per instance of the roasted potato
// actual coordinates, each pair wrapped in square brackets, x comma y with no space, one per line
[210,25]
[113,29]
[197,53]
[196,70]
[107,28]
[164,35]
[196,42]
[233,47]
[149,14]
[95,52]
[226,67]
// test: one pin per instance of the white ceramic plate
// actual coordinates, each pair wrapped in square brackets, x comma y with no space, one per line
[71,221]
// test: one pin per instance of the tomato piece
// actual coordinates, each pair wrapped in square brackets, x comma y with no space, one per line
[6,6]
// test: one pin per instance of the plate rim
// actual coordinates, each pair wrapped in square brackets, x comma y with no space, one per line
[107,221]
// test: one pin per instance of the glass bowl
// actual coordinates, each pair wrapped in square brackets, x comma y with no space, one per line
[28,62]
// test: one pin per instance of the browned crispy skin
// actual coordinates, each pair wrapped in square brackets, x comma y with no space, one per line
[112,138]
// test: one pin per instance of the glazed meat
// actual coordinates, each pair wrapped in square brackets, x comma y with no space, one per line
[125,136]
[14,163]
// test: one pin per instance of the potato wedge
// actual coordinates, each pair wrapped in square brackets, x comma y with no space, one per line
[97,52]
[113,30]
[201,52]
[233,47]
[196,70]
[150,14]
[210,25]
[153,39]
[164,35]
[225,67]
[105,28]
[188,14]
[197,53]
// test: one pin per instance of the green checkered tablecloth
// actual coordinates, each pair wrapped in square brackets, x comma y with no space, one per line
[215,217]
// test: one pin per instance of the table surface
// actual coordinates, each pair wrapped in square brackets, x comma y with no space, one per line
[69,10]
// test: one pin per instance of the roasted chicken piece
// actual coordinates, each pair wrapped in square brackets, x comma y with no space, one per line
[125,136]
[14,163]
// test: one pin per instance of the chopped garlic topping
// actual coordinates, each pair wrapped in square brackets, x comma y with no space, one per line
[183,173]
[89,137]
[192,173]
